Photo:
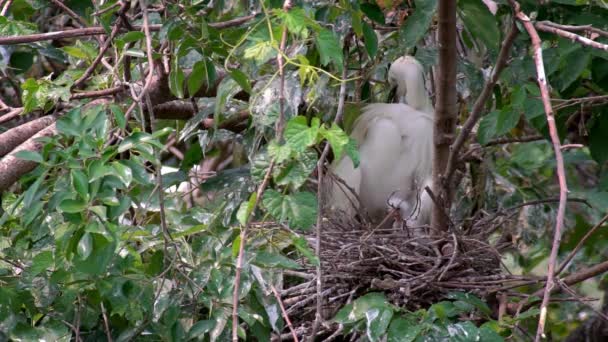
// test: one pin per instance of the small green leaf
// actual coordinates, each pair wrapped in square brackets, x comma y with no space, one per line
[273,260]
[241,79]
[330,49]
[200,328]
[337,138]
[176,82]
[403,330]
[302,246]
[72,206]
[80,182]
[371,40]
[295,20]
[119,116]
[203,72]
[123,172]
[133,36]
[246,209]
[29,155]
[299,136]
[377,322]
[358,309]
[41,262]
[260,52]
[85,246]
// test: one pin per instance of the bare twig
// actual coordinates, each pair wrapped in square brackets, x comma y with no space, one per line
[541,26]
[99,30]
[285,316]
[106,325]
[561,173]
[502,141]
[579,245]
[575,28]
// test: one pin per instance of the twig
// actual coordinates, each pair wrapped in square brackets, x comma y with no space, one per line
[477,110]
[561,173]
[105,323]
[69,12]
[579,245]
[541,26]
[320,191]
[586,28]
[89,71]
[502,141]
[11,115]
[7,5]
[285,316]
[99,30]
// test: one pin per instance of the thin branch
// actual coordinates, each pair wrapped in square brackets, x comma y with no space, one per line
[99,30]
[106,325]
[572,36]
[69,12]
[579,245]
[561,173]
[284,313]
[502,141]
[478,106]
[574,28]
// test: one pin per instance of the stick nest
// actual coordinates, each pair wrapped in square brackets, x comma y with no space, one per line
[412,271]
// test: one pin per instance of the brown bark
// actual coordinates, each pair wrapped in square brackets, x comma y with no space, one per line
[12,168]
[15,136]
[445,109]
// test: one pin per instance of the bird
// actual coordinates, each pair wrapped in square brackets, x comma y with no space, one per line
[395,142]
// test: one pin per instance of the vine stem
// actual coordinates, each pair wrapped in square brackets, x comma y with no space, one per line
[243,235]
[561,173]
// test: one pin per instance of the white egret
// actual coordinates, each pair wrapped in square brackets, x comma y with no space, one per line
[396,152]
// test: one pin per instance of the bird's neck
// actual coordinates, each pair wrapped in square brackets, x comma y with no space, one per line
[416,95]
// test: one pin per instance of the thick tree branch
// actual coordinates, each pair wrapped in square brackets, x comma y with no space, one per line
[445,108]
[16,136]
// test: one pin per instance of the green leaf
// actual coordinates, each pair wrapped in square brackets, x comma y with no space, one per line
[246,209]
[598,140]
[241,79]
[417,24]
[101,254]
[377,322]
[472,300]
[302,246]
[299,136]
[373,12]
[260,52]
[119,116]
[29,155]
[203,72]
[279,153]
[200,328]
[72,206]
[358,309]
[274,260]
[41,262]
[295,20]
[572,66]
[352,152]
[299,209]
[133,36]
[85,245]
[357,23]
[123,172]
[295,173]
[176,82]
[403,330]
[330,49]
[497,123]
[371,40]
[480,22]
[337,138]
[80,182]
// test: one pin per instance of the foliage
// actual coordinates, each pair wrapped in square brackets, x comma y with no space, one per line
[102,235]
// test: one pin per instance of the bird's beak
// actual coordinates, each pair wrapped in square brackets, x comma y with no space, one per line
[392,95]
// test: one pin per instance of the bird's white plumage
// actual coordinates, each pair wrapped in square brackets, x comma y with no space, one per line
[395,147]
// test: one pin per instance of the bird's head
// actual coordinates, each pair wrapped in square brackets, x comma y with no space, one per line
[406,76]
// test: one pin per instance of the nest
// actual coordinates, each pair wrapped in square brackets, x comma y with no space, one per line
[412,271]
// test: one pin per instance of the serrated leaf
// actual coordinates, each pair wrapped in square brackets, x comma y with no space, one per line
[29,155]
[295,20]
[337,138]
[299,136]
[371,40]
[280,153]
[80,182]
[260,52]
[330,49]
[295,173]
[299,209]
[416,25]
[480,22]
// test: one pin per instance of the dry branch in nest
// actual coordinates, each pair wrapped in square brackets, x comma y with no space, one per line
[412,271]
